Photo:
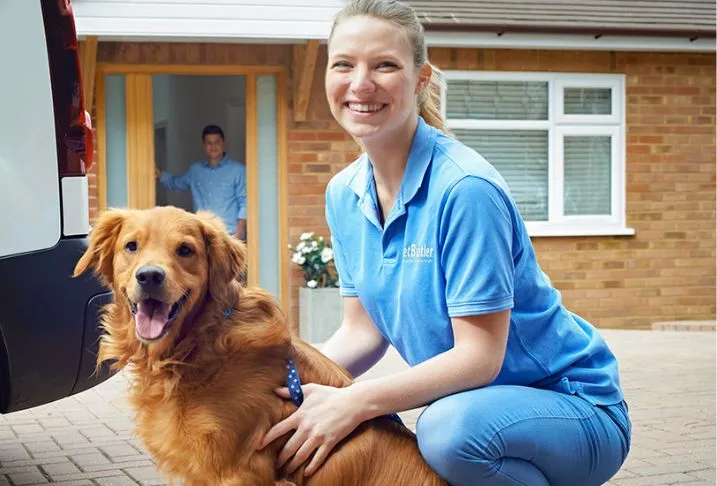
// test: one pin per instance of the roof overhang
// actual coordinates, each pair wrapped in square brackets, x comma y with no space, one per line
[568,39]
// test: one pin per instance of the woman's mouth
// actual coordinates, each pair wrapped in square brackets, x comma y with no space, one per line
[365,108]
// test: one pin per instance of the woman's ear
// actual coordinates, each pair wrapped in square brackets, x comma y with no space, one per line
[424,77]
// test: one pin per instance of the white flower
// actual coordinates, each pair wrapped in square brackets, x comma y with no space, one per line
[314,244]
[327,254]
[311,284]
[306,236]
[298,258]
[300,246]
[306,249]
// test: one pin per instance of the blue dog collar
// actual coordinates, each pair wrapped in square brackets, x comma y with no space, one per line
[293,381]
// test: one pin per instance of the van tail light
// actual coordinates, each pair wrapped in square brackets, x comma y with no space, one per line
[73,125]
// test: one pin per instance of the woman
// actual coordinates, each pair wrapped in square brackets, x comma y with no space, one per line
[434,259]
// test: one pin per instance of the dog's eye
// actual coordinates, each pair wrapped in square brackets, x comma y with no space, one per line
[131,247]
[184,250]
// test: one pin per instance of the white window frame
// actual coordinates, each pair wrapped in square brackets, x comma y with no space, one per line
[558,125]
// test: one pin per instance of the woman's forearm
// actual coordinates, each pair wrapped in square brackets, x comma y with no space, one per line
[450,372]
[354,349]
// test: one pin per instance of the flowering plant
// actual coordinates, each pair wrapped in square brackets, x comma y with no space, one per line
[316,259]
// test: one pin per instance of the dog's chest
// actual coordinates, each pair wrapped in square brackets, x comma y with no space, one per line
[182,433]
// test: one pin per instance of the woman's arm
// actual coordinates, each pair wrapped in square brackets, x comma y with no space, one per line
[357,345]
[330,414]
[474,361]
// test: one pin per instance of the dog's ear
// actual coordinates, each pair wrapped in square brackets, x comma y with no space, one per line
[226,254]
[100,251]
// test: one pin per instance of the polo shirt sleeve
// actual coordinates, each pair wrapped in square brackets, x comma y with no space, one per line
[476,234]
[346,285]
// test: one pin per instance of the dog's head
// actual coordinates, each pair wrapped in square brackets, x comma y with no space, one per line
[163,262]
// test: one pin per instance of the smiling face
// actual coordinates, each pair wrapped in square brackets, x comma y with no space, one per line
[163,262]
[161,267]
[371,78]
[213,146]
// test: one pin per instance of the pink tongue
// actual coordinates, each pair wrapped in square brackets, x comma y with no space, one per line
[151,318]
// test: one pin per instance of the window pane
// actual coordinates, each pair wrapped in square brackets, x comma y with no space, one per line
[587,164]
[268,204]
[587,101]
[116,140]
[497,100]
[521,157]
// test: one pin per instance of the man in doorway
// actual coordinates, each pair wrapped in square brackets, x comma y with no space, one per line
[218,184]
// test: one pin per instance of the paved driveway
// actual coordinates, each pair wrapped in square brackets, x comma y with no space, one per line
[669,379]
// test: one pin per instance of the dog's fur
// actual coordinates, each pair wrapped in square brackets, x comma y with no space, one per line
[203,392]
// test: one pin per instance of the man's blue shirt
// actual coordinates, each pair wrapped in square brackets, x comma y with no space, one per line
[220,189]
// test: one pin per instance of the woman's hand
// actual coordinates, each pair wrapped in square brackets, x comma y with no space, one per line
[326,416]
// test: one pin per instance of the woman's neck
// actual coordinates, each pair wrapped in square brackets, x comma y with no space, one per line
[389,157]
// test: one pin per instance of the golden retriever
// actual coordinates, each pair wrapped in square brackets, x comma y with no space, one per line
[206,355]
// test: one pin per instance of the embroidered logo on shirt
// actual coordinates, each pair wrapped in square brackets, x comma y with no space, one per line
[418,254]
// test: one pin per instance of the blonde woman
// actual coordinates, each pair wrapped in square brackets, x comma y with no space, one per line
[434,259]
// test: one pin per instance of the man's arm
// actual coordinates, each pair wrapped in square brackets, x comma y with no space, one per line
[176,183]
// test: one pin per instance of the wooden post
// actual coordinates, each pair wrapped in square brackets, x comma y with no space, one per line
[304,65]
[88,65]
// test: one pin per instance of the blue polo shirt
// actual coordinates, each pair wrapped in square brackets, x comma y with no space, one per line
[220,189]
[454,245]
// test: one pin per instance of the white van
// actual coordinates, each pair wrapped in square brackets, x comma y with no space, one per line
[48,320]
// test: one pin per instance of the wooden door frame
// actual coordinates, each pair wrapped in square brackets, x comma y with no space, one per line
[143,146]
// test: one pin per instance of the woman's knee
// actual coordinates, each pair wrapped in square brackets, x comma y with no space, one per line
[439,438]
[449,444]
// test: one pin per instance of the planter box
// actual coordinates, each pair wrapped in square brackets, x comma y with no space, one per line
[320,313]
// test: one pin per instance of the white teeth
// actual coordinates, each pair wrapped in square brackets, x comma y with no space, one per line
[365,108]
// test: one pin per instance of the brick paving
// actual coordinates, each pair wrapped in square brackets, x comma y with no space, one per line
[669,378]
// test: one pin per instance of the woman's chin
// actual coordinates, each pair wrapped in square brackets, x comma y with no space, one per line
[361,130]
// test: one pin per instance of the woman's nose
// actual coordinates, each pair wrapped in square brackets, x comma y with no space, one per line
[361,81]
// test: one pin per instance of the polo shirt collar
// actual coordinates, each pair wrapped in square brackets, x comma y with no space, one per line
[419,157]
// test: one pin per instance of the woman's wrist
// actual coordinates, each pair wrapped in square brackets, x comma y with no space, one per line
[362,401]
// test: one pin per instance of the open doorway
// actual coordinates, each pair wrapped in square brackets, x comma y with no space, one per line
[149,119]
[183,105]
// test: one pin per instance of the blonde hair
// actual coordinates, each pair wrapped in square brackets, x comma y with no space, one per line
[403,16]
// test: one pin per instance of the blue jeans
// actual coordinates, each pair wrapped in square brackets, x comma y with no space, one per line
[514,435]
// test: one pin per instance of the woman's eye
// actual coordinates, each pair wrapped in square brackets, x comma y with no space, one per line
[184,250]
[341,65]
[386,65]
[131,247]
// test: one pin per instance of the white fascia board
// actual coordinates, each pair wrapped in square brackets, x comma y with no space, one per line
[572,42]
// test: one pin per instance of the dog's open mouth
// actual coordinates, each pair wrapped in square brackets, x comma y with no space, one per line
[153,317]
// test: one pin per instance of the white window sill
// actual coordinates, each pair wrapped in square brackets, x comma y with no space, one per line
[542,229]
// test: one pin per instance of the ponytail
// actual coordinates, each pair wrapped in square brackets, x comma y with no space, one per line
[429,101]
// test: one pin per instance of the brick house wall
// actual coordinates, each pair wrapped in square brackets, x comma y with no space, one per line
[665,272]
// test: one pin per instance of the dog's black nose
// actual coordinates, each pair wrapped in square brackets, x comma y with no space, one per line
[150,276]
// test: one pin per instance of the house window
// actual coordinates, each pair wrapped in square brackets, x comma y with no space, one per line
[557,140]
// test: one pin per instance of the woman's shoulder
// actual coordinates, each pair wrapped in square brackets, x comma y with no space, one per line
[454,160]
